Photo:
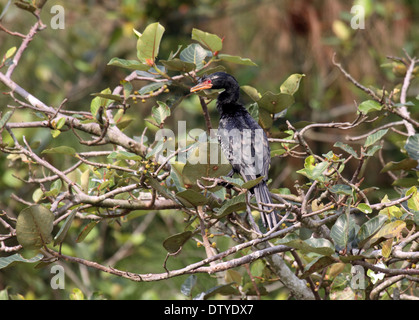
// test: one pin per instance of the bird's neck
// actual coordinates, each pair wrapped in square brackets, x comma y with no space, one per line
[227,102]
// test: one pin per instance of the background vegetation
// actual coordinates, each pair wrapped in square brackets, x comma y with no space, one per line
[282,38]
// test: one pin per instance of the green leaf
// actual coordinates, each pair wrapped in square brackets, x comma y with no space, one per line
[317,245]
[291,85]
[124,155]
[251,92]
[209,40]
[368,106]
[275,102]
[86,230]
[318,171]
[178,65]
[173,243]
[369,228]
[412,146]
[389,230]
[9,53]
[59,238]
[127,88]
[317,264]
[188,285]
[364,208]
[373,138]
[148,43]
[34,226]
[238,203]
[17,257]
[413,202]
[371,151]
[346,148]
[224,289]
[343,230]
[195,54]
[60,150]
[405,164]
[341,189]
[201,164]
[250,184]
[6,117]
[265,119]
[128,64]
[191,198]
[161,112]
[109,96]
[236,59]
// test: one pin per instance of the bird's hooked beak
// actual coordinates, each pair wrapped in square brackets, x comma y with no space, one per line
[207,84]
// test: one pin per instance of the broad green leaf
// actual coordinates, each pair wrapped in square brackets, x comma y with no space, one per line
[108,96]
[368,106]
[364,208]
[205,160]
[9,53]
[60,150]
[341,189]
[343,231]
[346,148]
[191,198]
[251,92]
[318,245]
[405,164]
[265,119]
[373,138]
[250,184]
[275,102]
[412,146]
[370,227]
[173,243]
[371,151]
[178,65]
[392,211]
[17,257]
[291,85]
[128,64]
[224,289]
[161,112]
[148,43]
[127,89]
[238,203]
[318,171]
[59,238]
[211,41]
[188,285]
[34,226]
[386,247]
[236,59]
[124,155]
[6,117]
[233,276]
[389,230]
[413,202]
[149,88]
[86,230]
[195,54]
[317,264]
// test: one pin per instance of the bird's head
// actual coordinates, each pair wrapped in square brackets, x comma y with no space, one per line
[220,80]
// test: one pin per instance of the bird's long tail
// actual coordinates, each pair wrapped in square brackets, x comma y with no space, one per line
[261,191]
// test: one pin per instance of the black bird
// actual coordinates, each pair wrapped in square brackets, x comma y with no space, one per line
[242,140]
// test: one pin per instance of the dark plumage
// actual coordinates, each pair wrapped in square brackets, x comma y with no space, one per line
[242,140]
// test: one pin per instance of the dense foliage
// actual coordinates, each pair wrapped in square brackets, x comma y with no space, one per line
[109,199]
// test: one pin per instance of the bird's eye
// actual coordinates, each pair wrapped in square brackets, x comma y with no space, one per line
[207,81]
